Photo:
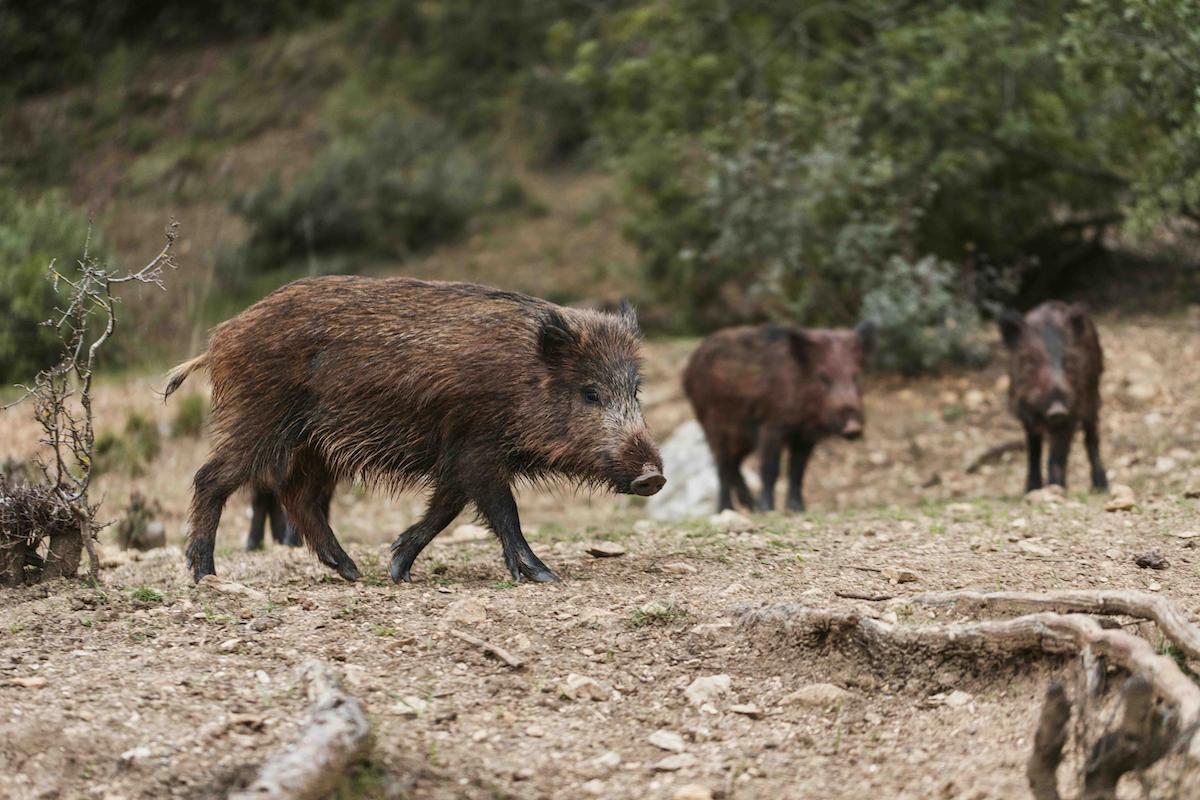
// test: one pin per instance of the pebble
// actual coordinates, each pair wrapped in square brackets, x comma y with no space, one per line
[411,706]
[818,694]
[679,568]
[1046,496]
[895,575]
[667,740]
[606,762]
[747,710]
[467,611]
[959,699]
[605,550]
[1151,560]
[731,589]
[229,645]
[675,763]
[581,687]
[595,787]
[1121,498]
[730,521]
[1033,548]
[693,791]
[707,688]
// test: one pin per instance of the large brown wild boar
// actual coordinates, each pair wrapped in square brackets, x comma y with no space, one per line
[771,386]
[1054,371]
[399,382]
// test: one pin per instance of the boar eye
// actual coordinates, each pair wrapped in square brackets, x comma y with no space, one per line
[826,381]
[591,395]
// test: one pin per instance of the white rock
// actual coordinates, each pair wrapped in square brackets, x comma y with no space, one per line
[895,575]
[1046,496]
[595,787]
[229,645]
[136,754]
[679,568]
[606,762]
[691,489]
[467,611]
[535,731]
[675,763]
[693,791]
[1121,498]
[973,399]
[221,586]
[732,589]
[746,710]
[730,521]
[667,740]
[707,688]
[959,698]
[818,694]
[1033,548]
[581,687]
[410,706]
[605,550]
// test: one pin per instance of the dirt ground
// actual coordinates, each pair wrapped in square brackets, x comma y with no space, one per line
[154,688]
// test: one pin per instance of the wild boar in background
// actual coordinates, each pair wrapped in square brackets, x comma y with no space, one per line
[1054,368]
[771,386]
[399,382]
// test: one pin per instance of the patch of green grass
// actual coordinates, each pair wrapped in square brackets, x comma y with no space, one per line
[367,780]
[655,614]
[506,584]
[385,631]
[191,412]
[146,594]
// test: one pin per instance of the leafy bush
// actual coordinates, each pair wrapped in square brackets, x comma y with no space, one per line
[131,451]
[32,234]
[395,188]
[191,412]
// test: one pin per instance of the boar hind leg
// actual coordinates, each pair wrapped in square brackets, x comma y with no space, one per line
[262,504]
[444,506]
[302,495]
[1033,448]
[1060,448]
[1091,438]
[282,529]
[797,463]
[213,484]
[500,510]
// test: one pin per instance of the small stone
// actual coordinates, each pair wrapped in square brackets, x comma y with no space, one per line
[136,754]
[732,589]
[1121,498]
[896,575]
[818,694]
[878,458]
[605,550]
[595,787]
[262,677]
[730,521]
[707,688]
[959,699]
[535,731]
[229,645]
[1033,548]
[747,710]
[973,399]
[221,586]
[606,762]
[960,509]
[693,791]
[466,533]
[467,611]
[410,706]
[1141,391]
[1184,534]
[1151,560]
[675,763]
[667,740]
[679,568]
[1046,496]
[34,682]
[581,687]
[710,628]
[1165,464]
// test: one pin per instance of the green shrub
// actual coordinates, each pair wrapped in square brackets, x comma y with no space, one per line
[32,234]
[191,412]
[395,188]
[131,451]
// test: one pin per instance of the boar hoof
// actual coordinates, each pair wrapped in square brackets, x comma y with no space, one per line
[348,570]
[401,568]
[538,575]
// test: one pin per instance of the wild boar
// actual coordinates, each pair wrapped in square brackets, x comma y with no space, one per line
[771,386]
[398,382]
[1054,367]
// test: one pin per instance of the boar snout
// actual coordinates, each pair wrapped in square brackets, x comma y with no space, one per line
[852,429]
[1057,413]
[649,482]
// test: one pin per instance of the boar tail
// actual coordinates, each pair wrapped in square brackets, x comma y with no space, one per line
[177,376]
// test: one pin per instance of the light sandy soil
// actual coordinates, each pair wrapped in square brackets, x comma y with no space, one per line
[185,696]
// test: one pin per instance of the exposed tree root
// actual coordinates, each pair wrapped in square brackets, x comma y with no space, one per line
[334,738]
[1169,617]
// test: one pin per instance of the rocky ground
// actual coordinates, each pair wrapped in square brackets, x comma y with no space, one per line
[636,678]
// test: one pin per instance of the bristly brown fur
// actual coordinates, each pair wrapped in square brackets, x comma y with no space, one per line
[399,382]
[1055,359]
[771,386]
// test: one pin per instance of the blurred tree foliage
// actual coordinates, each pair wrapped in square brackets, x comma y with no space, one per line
[32,234]
[43,45]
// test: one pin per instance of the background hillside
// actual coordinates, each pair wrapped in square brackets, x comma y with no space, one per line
[717,162]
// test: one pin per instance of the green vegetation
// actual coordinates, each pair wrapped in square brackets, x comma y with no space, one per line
[191,412]
[146,594]
[916,165]
[131,451]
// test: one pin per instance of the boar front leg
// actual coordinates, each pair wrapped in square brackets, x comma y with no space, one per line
[1060,448]
[1033,448]
[262,503]
[1091,438]
[302,494]
[769,454]
[445,504]
[498,507]
[797,462]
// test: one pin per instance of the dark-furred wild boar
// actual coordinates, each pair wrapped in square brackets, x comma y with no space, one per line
[1055,362]
[398,382]
[772,386]
[264,507]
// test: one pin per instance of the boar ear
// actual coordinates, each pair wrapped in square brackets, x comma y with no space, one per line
[866,333]
[628,315]
[801,345]
[1077,318]
[556,338]
[1011,325]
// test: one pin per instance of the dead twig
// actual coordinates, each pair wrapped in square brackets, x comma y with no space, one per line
[334,738]
[874,598]
[1048,742]
[993,455]
[489,648]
